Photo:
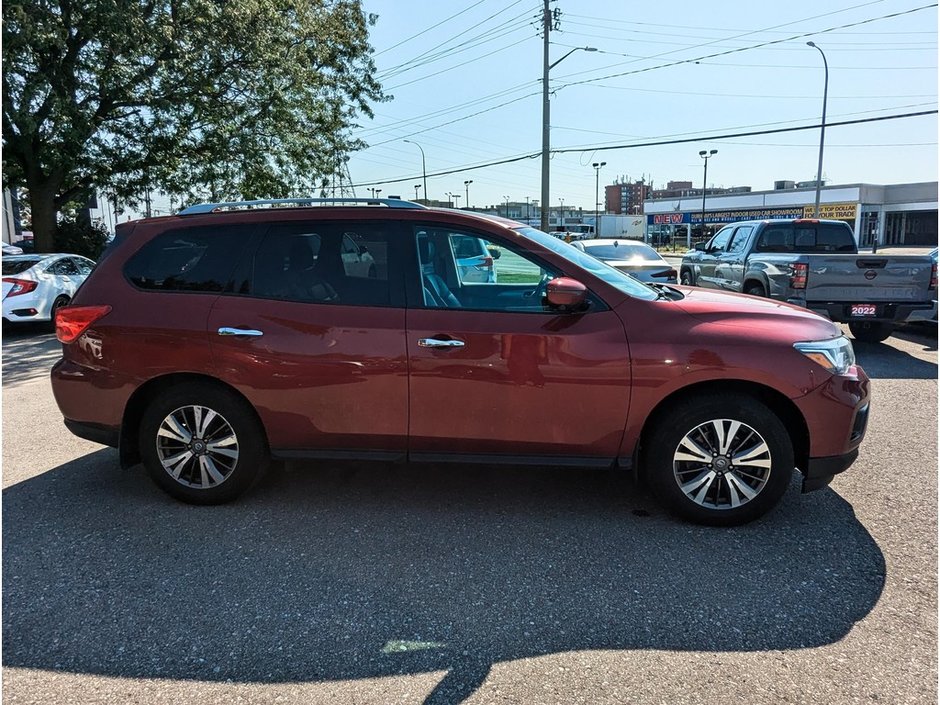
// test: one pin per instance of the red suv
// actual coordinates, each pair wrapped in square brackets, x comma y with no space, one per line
[205,343]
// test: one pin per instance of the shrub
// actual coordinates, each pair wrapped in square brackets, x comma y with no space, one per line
[81,238]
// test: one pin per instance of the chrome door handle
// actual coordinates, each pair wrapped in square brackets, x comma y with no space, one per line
[240,331]
[435,343]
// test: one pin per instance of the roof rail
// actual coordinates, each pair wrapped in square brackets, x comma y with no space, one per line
[201,208]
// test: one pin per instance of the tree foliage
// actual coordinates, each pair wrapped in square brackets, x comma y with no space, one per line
[196,98]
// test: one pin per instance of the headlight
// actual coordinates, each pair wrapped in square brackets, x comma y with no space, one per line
[835,355]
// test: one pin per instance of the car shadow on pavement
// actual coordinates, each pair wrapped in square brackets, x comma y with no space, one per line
[882,361]
[333,572]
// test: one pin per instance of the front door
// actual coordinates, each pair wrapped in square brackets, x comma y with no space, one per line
[494,373]
[710,258]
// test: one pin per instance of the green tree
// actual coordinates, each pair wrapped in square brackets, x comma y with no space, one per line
[196,98]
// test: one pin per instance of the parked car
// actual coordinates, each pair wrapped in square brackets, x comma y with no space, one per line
[816,264]
[475,262]
[36,286]
[635,258]
[205,343]
[9,249]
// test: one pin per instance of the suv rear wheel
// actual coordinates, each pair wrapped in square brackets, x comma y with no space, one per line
[202,444]
[720,460]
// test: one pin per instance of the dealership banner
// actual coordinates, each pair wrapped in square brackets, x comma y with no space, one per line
[837,211]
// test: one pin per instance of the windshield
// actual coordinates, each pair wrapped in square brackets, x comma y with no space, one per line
[622,251]
[623,282]
[18,265]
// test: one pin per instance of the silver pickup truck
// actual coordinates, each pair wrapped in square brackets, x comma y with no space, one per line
[815,264]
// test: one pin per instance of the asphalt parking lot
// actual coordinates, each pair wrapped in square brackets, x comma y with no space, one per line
[421,584]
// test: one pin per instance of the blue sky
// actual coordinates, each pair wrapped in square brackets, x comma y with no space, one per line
[468,90]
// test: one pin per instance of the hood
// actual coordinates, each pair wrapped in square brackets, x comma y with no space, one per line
[762,316]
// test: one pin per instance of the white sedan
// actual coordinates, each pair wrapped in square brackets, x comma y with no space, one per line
[34,286]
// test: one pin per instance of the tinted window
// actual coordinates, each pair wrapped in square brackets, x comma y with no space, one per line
[741,236]
[323,263]
[16,266]
[64,267]
[84,265]
[196,259]
[807,237]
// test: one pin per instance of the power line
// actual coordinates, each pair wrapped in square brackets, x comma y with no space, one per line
[433,26]
[742,49]
[659,143]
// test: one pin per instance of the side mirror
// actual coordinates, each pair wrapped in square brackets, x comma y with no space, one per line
[701,246]
[495,252]
[566,294]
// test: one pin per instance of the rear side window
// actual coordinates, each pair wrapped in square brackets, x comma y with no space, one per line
[323,263]
[807,237]
[17,266]
[193,259]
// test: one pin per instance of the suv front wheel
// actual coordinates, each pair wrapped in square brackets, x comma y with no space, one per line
[720,460]
[202,444]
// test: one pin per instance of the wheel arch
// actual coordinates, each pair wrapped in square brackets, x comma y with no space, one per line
[757,279]
[687,269]
[128,446]
[783,407]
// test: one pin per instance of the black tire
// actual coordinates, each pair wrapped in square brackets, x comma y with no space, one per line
[871,331]
[234,417]
[663,471]
[59,302]
[686,278]
[755,289]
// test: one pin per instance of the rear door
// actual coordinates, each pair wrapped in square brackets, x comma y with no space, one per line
[496,374]
[315,339]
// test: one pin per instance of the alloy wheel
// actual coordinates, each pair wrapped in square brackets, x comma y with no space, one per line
[197,447]
[722,464]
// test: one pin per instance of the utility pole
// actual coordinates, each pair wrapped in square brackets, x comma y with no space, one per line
[546,109]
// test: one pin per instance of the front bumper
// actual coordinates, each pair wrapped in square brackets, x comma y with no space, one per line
[836,415]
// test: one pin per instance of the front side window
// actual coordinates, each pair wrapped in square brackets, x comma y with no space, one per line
[64,268]
[325,263]
[720,242]
[459,269]
[192,259]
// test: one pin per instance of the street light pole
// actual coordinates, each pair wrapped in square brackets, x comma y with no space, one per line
[417,186]
[450,199]
[466,186]
[597,180]
[706,156]
[424,169]
[507,205]
[822,130]
[456,197]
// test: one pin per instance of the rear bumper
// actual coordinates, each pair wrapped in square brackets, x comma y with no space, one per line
[886,311]
[105,435]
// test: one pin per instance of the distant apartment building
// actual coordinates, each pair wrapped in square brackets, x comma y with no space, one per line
[624,198]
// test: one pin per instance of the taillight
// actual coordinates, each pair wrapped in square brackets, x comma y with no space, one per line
[20,286]
[933,276]
[798,272]
[665,274]
[71,321]
[488,263]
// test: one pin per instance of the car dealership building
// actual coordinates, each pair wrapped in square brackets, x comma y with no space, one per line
[891,215]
